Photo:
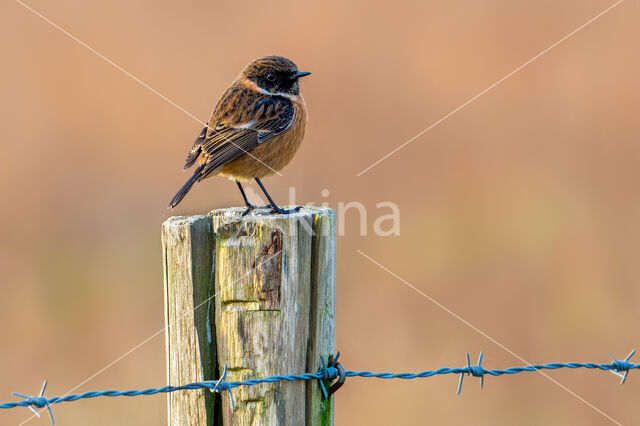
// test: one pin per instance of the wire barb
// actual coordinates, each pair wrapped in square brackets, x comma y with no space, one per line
[330,370]
[473,370]
[222,385]
[621,365]
[39,401]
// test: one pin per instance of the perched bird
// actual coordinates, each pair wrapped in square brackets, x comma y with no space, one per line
[255,129]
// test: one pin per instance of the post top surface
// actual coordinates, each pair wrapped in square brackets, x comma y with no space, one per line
[259,213]
[236,213]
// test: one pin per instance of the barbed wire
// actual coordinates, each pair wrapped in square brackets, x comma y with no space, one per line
[331,372]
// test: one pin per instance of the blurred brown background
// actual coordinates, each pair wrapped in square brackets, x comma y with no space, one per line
[519,213]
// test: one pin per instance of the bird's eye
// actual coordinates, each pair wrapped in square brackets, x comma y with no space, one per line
[271,77]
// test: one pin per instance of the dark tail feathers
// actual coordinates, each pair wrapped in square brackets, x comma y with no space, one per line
[186,187]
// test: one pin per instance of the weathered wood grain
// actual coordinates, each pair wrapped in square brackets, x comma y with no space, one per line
[322,312]
[187,244]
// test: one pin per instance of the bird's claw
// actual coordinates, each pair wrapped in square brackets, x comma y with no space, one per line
[251,207]
[273,209]
[279,210]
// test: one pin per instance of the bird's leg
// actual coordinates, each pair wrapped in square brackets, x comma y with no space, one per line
[274,206]
[246,200]
[250,207]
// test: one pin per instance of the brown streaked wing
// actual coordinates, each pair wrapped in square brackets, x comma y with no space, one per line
[226,142]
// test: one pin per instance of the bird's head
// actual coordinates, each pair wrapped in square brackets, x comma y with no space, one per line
[274,74]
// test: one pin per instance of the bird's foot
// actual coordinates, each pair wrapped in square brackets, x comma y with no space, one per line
[279,210]
[251,207]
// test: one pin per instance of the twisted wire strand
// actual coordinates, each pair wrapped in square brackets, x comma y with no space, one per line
[328,373]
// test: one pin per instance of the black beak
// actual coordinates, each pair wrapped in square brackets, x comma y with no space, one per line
[299,74]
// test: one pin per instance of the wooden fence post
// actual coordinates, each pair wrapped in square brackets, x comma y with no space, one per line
[271,283]
[187,246]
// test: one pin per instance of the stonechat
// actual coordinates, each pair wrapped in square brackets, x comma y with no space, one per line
[255,129]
